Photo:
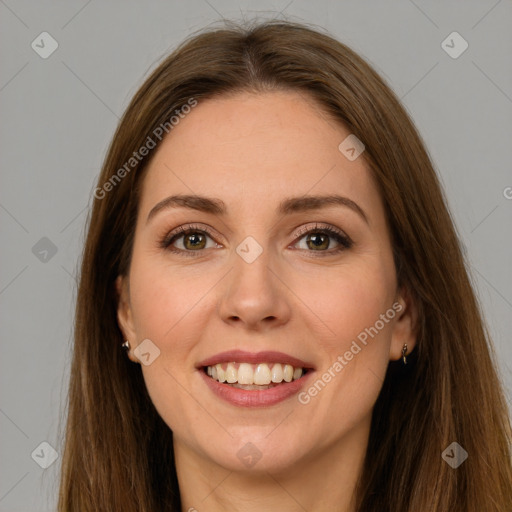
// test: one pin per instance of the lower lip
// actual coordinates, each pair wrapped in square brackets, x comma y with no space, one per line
[255,397]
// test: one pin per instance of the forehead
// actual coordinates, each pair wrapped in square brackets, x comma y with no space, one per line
[253,149]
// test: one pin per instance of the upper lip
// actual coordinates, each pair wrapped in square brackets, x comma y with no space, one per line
[268,356]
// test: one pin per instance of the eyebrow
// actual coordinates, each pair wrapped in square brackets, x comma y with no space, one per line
[286,207]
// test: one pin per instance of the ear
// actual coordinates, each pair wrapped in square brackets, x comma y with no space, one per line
[124,314]
[405,326]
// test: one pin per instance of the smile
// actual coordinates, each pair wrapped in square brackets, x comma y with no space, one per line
[254,379]
[254,376]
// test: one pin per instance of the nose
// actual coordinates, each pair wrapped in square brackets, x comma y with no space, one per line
[255,295]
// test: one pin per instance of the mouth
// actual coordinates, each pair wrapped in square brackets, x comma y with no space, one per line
[254,379]
[254,376]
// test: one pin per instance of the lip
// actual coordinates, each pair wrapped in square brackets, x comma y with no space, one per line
[255,397]
[268,356]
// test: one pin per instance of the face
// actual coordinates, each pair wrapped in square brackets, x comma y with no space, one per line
[260,269]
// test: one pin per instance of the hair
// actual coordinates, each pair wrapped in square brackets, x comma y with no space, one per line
[118,451]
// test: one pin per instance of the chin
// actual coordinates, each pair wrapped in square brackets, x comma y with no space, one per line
[254,451]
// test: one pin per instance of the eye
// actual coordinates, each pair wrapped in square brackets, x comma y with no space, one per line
[188,239]
[191,240]
[319,239]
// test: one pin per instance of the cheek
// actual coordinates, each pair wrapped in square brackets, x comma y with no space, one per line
[355,357]
[356,305]
[167,305]
[163,316]
[351,301]
[162,297]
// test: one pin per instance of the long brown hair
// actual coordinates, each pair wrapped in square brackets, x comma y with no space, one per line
[118,453]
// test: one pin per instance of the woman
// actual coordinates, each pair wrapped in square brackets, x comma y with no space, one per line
[270,245]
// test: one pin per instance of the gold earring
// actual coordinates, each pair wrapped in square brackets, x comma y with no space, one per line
[404,352]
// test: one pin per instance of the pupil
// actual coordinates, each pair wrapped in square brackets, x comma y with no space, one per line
[194,239]
[317,240]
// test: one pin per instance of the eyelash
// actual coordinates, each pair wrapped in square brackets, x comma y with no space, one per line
[343,240]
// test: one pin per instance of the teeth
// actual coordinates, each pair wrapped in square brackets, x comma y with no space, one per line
[231,373]
[245,374]
[288,372]
[262,375]
[221,374]
[253,375]
[277,373]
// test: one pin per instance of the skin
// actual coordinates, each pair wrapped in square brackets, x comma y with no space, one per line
[263,148]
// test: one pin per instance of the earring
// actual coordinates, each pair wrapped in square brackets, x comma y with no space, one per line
[126,345]
[404,352]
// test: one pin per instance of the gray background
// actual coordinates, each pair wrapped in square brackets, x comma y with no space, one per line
[59,114]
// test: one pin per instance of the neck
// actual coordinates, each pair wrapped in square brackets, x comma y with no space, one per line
[322,480]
